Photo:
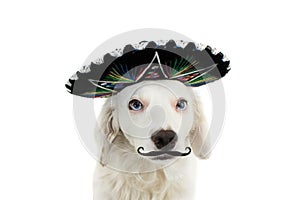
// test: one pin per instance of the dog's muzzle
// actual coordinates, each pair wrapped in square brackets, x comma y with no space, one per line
[165,141]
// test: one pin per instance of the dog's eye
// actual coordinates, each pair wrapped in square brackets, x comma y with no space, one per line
[135,105]
[181,104]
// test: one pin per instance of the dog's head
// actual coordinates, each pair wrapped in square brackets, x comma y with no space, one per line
[162,117]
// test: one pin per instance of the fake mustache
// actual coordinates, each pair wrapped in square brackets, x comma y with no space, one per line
[157,153]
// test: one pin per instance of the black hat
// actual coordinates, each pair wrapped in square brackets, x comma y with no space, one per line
[187,62]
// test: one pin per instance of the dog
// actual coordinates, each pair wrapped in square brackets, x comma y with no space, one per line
[144,134]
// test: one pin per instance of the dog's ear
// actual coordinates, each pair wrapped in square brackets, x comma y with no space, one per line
[199,133]
[107,128]
[109,125]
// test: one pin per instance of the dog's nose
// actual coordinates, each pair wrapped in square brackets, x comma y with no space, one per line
[165,139]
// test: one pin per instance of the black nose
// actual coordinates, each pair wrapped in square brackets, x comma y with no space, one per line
[165,139]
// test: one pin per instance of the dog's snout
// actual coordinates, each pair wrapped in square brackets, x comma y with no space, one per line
[165,139]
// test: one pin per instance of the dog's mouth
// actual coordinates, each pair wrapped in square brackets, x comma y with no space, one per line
[164,155]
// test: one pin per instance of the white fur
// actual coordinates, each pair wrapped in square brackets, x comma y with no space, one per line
[123,174]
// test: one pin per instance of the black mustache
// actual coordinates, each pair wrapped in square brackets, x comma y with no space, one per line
[157,153]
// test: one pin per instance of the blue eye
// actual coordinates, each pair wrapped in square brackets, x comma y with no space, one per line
[181,104]
[135,105]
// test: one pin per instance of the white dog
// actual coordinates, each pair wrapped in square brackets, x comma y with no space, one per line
[161,117]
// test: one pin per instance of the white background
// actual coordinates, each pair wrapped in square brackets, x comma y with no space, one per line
[43,42]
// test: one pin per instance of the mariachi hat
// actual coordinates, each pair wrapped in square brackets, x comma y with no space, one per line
[190,63]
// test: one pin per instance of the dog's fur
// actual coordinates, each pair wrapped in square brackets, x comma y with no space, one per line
[123,174]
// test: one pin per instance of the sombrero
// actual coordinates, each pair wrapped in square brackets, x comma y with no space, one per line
[190,63]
